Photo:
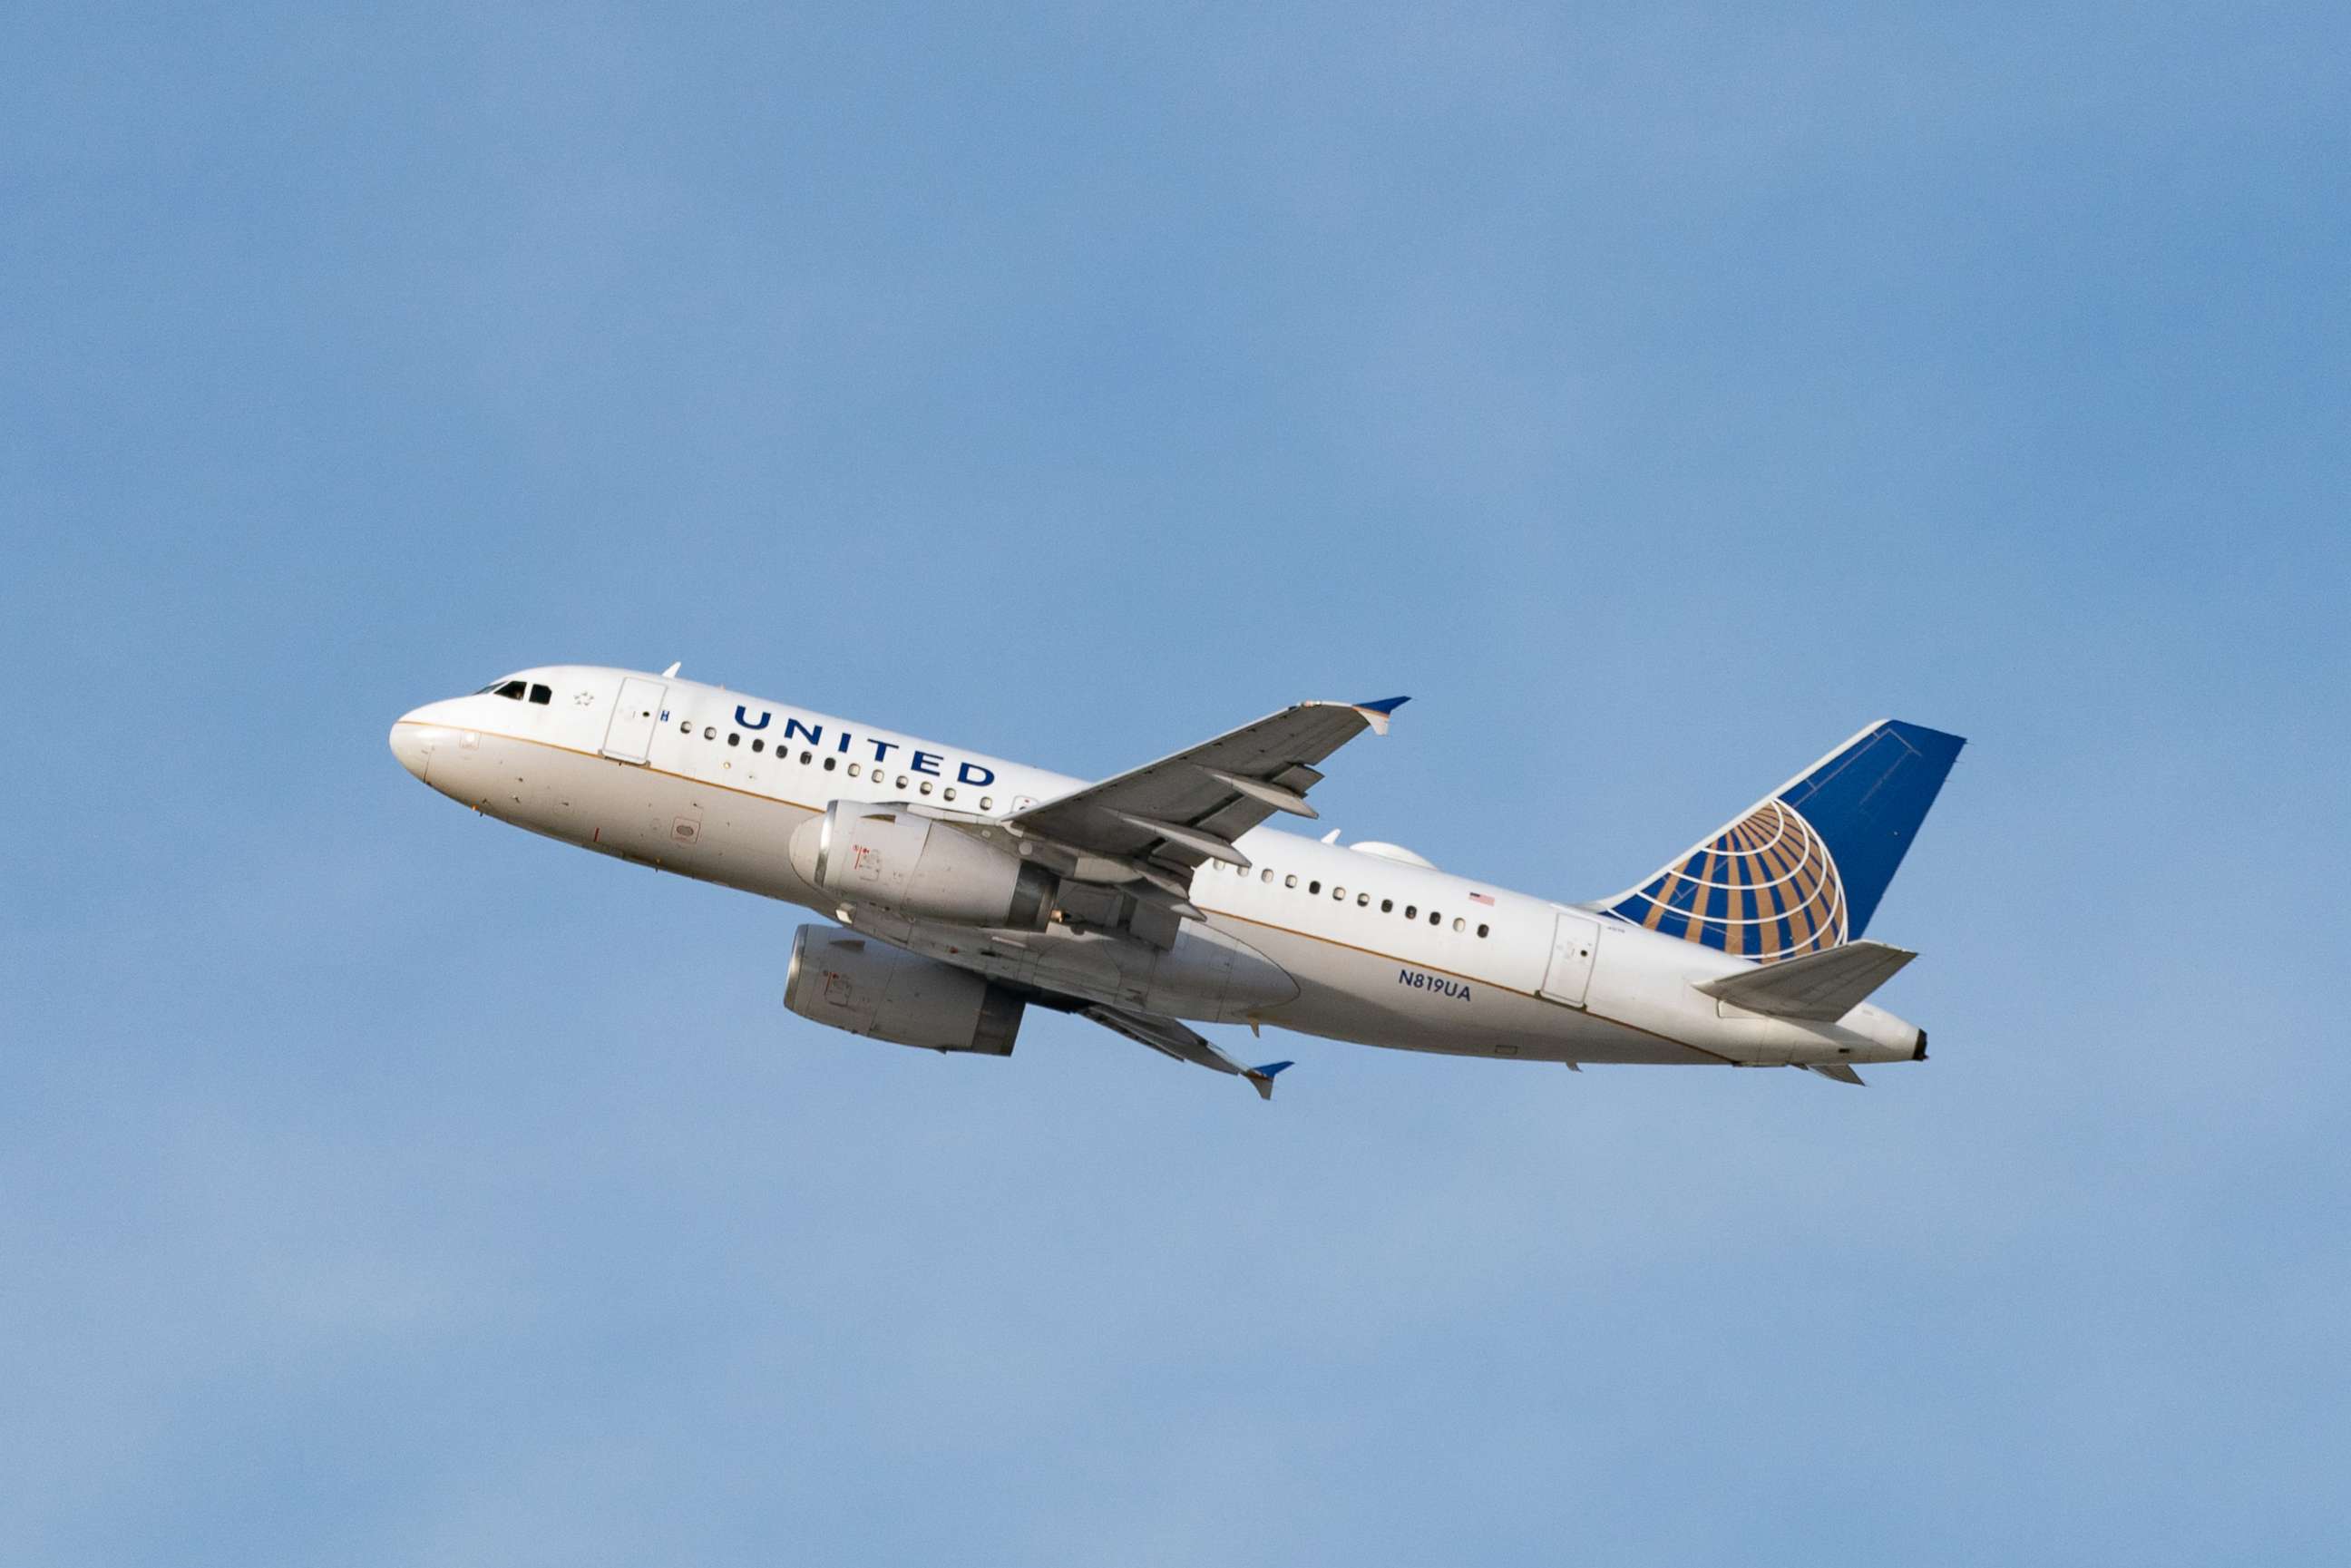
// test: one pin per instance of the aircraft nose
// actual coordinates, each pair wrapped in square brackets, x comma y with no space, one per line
[408,743]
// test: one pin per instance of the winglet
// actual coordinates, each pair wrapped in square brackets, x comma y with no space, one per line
[1262,1077]
[1377,713]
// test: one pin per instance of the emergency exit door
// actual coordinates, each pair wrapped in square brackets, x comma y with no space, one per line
[1574,944]
[631,733]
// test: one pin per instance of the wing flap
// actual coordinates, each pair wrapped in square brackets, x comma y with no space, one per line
[1815,988]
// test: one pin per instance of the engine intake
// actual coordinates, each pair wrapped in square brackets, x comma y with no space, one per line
[922,869]
[871,989]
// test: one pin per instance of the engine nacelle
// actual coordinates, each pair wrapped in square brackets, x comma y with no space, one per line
[872,988]
[919,868]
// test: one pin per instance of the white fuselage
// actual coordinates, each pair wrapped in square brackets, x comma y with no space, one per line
[1323,939]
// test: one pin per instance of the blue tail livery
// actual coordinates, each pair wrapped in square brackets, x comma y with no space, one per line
[1804,869]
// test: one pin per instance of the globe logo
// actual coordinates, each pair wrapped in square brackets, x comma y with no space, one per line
[1765,887]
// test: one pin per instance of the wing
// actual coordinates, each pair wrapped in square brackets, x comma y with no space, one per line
[1127,848]
[1170,1037]
[1171,815]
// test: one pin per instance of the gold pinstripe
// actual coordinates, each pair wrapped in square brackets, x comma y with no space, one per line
[1225,915]
[600,756]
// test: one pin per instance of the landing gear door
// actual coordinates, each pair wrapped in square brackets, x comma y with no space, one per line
[631,733]
[1574,943]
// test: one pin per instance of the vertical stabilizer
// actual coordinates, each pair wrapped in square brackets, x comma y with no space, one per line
[1804,868]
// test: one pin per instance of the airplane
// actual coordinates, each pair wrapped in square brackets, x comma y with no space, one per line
[964,889]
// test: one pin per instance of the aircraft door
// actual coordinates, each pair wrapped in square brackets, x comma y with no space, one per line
[1574,943]
[629,735]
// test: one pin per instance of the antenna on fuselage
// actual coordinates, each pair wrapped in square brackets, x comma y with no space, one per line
[671,673]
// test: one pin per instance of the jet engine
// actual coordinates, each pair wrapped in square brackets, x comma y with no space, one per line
[919,868]
[872,988]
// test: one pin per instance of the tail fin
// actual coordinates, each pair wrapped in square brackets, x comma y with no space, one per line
[1803,869]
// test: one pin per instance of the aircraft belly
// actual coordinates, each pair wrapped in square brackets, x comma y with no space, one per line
[1370,999]
[1227,971]
[1214,974]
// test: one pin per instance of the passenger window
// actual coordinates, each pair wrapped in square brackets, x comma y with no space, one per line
[828,765]
[1340,894]
[1266,876]
[902,781]
[1290,881]
[1313,887]
[733,738]
[541,696]
[1411,912]
[1457,923]
[709,732]
[1481,931]
[852,767]
[1362,901]
[987,802]
[926,786]
[759,745]
[686,729]
[1387,906]
[1434,918]
[807,757]
[947,794]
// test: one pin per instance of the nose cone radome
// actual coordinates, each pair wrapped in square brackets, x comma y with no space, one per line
[412,742]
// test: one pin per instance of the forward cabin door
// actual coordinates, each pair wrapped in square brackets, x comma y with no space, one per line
[1574,943]
[631,733]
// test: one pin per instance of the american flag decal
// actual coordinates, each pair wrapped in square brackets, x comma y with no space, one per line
[1481,898]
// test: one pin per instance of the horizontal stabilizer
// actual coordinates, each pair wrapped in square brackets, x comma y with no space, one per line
[1815,988]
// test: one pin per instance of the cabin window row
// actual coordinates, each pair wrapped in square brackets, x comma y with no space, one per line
[829,764]
[1362,900]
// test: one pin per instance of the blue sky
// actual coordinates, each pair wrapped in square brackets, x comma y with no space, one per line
[1655,392]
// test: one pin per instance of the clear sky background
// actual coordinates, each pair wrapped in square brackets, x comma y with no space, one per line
[1657,393]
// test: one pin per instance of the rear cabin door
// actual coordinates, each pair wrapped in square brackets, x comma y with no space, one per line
[631,733]
[1574,943]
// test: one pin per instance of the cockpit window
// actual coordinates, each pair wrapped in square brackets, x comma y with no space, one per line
[541,695]
[509,689]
